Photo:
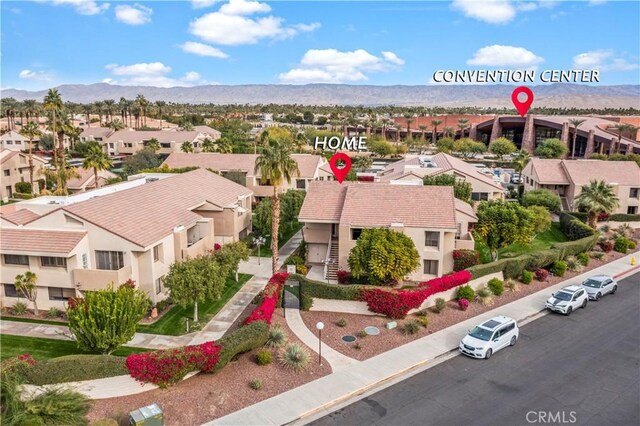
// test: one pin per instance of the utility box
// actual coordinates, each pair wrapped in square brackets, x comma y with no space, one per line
[151,415]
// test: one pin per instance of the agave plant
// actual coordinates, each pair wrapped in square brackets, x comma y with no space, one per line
[277,337]
[294,357]
[573,264]
[512,285]
[484,296]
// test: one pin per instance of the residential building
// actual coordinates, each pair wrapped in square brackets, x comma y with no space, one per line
[334,216]
[87,179]
[14,140]
[566,178]
[15,168]
[134,233]
[96,134]
[241,168]
[413,169]
[130,141]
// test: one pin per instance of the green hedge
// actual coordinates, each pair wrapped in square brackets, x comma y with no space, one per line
[580,215]
[572,248]
[322,290]
[488,268]
[242,340]
[625,217]
[73,368]
[573,227]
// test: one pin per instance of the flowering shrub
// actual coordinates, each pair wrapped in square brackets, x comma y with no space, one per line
[129,284]
[169,366]
[542,274]
[217,247]
[463,259]
[17,364]
[271,295]
[463,304]
[343,276]
[606,245]
[602,216]
[397,303]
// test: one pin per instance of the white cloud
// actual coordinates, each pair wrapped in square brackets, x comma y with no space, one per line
[202,49]
[505,56]
[201,4]
[83,7]
[133,15]
[596,2]
[231,25]
[244,7]
[491,11]
[331,65]
[151,74]
[35,75]
[604,60]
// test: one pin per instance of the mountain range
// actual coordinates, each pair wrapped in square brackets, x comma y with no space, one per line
[559,95]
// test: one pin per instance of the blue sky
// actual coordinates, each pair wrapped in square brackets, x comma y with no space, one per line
[186,43]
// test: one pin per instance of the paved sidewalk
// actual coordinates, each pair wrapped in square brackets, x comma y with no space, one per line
[324,393]
[214,329]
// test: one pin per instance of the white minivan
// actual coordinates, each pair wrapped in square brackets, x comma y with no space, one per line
[489,337]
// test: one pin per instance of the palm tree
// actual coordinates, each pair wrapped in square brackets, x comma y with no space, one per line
[409,120]
[31,109]
[620,128]
[463,124]
[300,141]
[363,162]
[99,108]
[142,104]
[160,105]
[186,147]
[9,105]
[595,198]
[97,160]
[153,145]
[223,146]
[116,125]
[275,165]
[109,104]
[434,133]
[31,131]
[448,131]
[208,145]
[575,122]
[520,161]
[61,177]
[53,102]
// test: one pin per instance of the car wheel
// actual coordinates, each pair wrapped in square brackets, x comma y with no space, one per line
[614,289]
[598,296]
[513,341]
[569,310]
[488,354]
[584,304]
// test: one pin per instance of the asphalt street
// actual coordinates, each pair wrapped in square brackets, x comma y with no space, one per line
[578,370]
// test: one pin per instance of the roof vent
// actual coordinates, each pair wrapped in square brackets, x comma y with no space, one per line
[152,179]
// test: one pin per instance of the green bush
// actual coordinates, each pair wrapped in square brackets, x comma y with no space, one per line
[255,384]
[320,290]
[361,334]
[294,357]
[542,258]
[478,271]
[24,187]
[466,292]
[306,303]
[582,216]
[294,260]
[496,286]
[573,264]
[22,195]
[542,197]
[512,285]
[570,248]
[598,255]
[559,268]
[73,368]
[242,340]
[621,245]
[514,266]
[583,258]
[410,327]
[620,217]
[341,323]
[423,320]
[263,357]
[302,269]
[527,277]
[54,312]
[276,337]
[19,308]
[573,227]
[440,305]
[55,406]
[632,245]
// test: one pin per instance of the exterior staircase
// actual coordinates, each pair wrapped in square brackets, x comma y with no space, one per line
[332,268]
[565,204]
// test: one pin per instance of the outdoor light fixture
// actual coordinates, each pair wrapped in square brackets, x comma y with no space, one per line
[320,326]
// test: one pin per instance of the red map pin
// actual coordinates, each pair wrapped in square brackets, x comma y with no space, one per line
[340,172]
[522,107]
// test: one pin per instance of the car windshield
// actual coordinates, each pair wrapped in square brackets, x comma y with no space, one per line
[592,283]
[481,333]
[561,295]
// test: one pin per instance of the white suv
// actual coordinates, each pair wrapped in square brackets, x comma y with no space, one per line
[599,285]
[567,299]
[489,337]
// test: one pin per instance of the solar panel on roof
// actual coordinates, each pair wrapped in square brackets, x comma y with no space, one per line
[491,324]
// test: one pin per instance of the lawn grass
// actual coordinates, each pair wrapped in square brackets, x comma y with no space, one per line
[288,232]
[33,320]
[42,349]
[172,323]
[542,241]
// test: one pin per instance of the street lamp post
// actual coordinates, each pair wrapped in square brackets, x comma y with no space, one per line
[260,241]
[320,326]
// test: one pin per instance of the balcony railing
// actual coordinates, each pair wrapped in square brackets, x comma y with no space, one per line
[96,279]
[465,242]
[198,248]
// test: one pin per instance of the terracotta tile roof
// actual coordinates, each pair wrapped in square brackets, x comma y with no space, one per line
[99,132]
[87,175]
[7,154]
[245,162]
[163,136]
[20,240]
[379,205]
[549,171]
[20,217]
[465,208]
[146,213]
[581,172]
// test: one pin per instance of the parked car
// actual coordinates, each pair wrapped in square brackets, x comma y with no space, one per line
[489,337]
[515,178]
[567,299]
[599,285]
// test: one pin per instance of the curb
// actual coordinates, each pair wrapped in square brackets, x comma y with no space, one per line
[422,366]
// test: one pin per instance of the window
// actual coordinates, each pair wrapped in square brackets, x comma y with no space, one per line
[321,178]
[633,192]
[632,210]
[128,145]
[60,293]
[85,260]
[301,184]
[431,267]
[109,260]
[9,142]
[16,259]
[432,239]
[111,145]
[355,233]
[159,285]
[156,253]
[54,262]
[7,172]
[479,196]
[10,291]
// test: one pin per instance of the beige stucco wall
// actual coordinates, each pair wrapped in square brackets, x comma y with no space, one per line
[18,168]
[317,236]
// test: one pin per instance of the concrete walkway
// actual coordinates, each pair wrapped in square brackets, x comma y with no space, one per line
[260,268]
[321,395]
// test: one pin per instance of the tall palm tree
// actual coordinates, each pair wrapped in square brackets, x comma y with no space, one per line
[160,105]
[620,128]
[448,132]
[153,145]
[99,108]
[595,198]
[9,106]
[409,119]
[575,122]
[31,109]
[31,131]
[116,125]
[520,161]
[53,103]
[143,103]
[300,141]
[97,160]
[109,105]
[208,145]
[275,165]
[463,124]
[187,146]
[434,134]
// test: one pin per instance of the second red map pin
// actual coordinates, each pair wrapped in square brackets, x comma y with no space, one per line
[340,171]
[522,106]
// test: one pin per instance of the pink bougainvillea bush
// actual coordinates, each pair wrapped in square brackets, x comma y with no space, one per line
[397,303]
[264,311]
[463,304]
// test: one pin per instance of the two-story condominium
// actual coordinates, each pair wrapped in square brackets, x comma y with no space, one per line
[130,141]
[566,178]
[335,214]
[96,134]
[241,168]
[135,233]
[87,179]
[14,140]
[415,168]
[15,168]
